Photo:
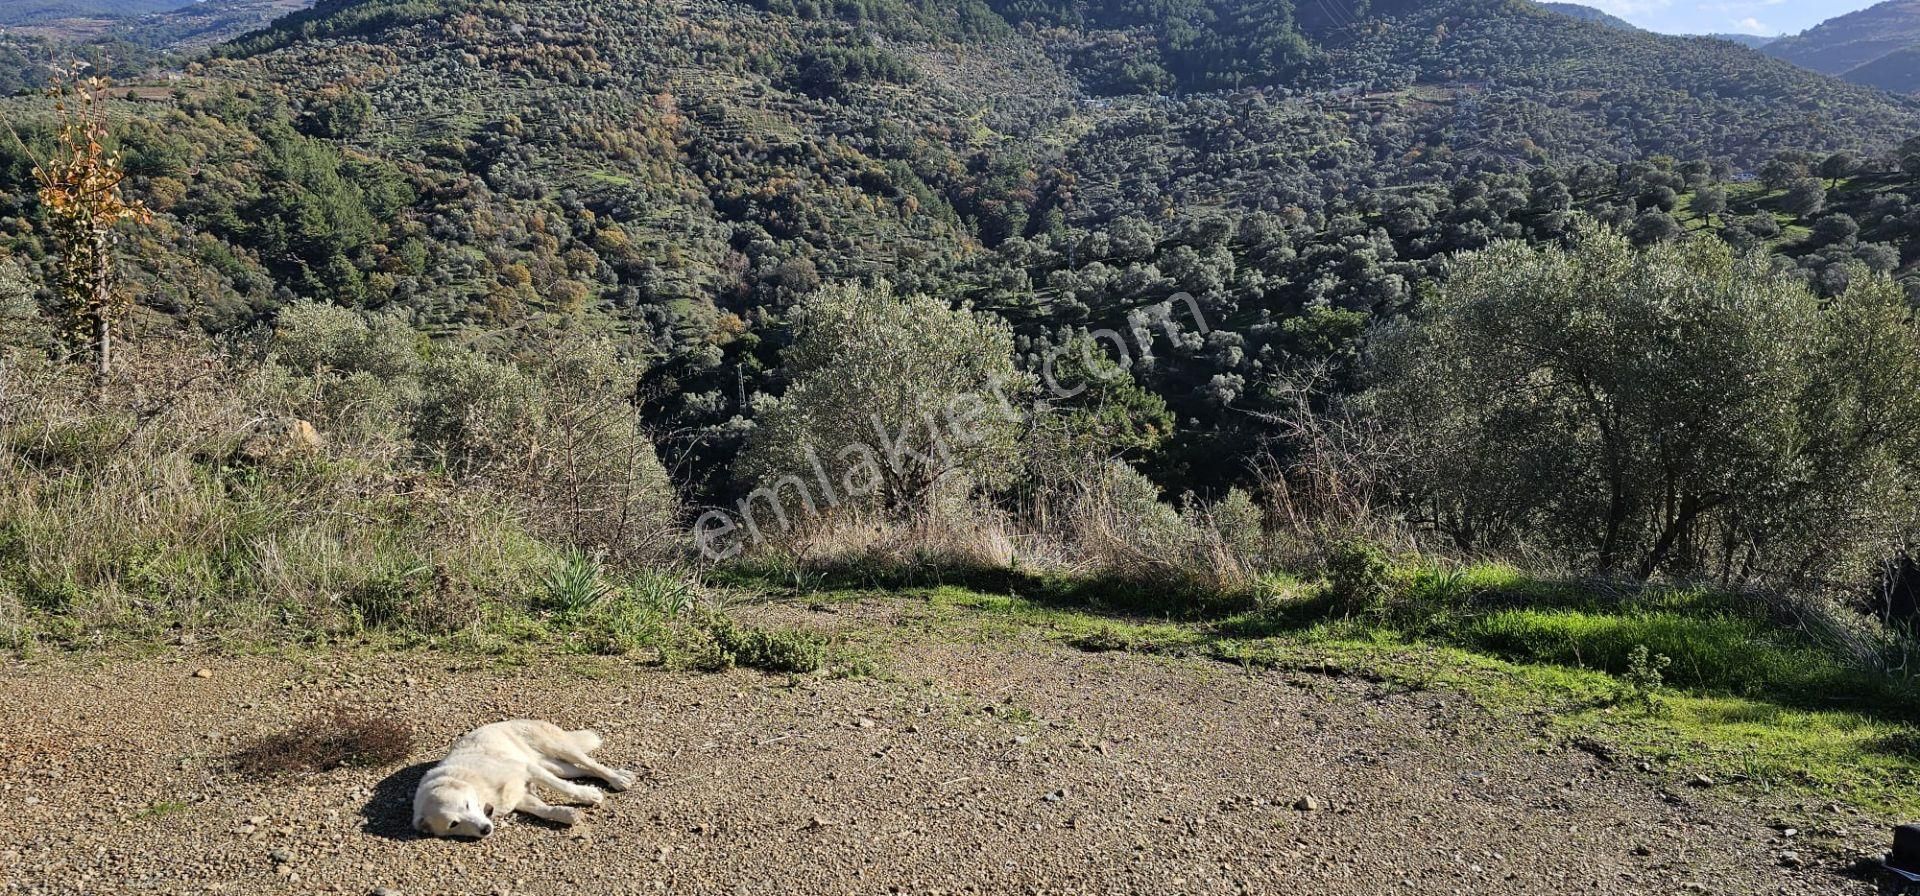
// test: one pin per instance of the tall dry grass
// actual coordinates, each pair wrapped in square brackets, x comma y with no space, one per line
[227,493]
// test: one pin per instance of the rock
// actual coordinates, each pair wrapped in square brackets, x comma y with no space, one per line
[384,891]
[203,672]
[1791,859]
[866,722]
[1307,804]
[281,856]
[279,438]
[1700,781]
[1056,796]
[1643,850]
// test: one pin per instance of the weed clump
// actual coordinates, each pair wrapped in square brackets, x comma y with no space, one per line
[1359,580]
[337,737]
[1639,685]
[782,650]
[575,586]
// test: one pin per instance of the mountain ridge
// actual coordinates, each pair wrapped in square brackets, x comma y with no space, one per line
[1852,42]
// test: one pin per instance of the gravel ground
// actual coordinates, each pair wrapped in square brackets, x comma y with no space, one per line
[1008,767]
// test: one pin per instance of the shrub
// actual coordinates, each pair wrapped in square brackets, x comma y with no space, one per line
[1359,580]
[1640,683]
[770,651]
[864,358]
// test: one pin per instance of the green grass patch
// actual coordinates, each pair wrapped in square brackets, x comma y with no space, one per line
[1721,654]
[1743,700]
[161,809]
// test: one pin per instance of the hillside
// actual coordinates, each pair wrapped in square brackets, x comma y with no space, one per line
[151,24]
[678,175]
[34,12]
[1589,14]
[1896,72]
[1854,42]
[204,23]
[1232,439]
[1750,41]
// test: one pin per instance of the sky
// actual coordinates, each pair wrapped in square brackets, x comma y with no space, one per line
[1768,17]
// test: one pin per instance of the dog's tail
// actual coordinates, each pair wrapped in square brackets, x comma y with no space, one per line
[587,741]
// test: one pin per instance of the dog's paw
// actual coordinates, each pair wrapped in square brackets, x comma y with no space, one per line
[620,781]
[565,815]
[589,795]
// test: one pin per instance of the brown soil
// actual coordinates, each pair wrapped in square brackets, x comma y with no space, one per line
[1008,767]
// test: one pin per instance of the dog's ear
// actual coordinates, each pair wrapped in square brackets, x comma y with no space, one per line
[420,824]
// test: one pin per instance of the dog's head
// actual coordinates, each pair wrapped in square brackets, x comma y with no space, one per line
[452,809]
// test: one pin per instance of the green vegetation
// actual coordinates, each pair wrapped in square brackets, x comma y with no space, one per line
[457,321]
[1678,409]
[1783,717]
[1873,46]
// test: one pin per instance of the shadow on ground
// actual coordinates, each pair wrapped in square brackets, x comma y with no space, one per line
[389,813]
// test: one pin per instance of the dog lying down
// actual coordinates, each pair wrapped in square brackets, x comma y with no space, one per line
[493,769]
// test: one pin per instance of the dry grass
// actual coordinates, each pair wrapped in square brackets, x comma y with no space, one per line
[337,737]
[190,492]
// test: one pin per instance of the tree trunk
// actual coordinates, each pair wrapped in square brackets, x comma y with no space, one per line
[1690,509]
[103,338]
[103,300]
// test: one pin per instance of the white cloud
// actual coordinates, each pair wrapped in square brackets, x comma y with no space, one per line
[1751,25]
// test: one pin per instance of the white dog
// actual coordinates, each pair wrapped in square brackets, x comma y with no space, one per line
[495,767]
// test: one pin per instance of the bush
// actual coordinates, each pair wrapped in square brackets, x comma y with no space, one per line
[1359,580]
[122,508]
[769,651]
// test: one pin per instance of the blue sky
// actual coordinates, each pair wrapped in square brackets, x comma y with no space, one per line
[1731,16]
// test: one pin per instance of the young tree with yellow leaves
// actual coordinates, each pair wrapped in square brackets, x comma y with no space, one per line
[80,192]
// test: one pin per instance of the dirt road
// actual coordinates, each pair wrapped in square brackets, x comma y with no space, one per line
[1011,767]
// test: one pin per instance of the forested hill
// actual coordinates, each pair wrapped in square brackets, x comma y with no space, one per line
[677,174]
[1589,14]
[33,12]
[1856,41]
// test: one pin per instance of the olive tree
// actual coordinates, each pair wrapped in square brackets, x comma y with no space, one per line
[889,398]
[1677,409]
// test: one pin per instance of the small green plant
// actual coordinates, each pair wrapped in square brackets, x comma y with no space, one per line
[1359,580]
[1438,588]
[575,586]
[850,664]
[665,594]
[780,650]
[1640,684]
[161,809]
